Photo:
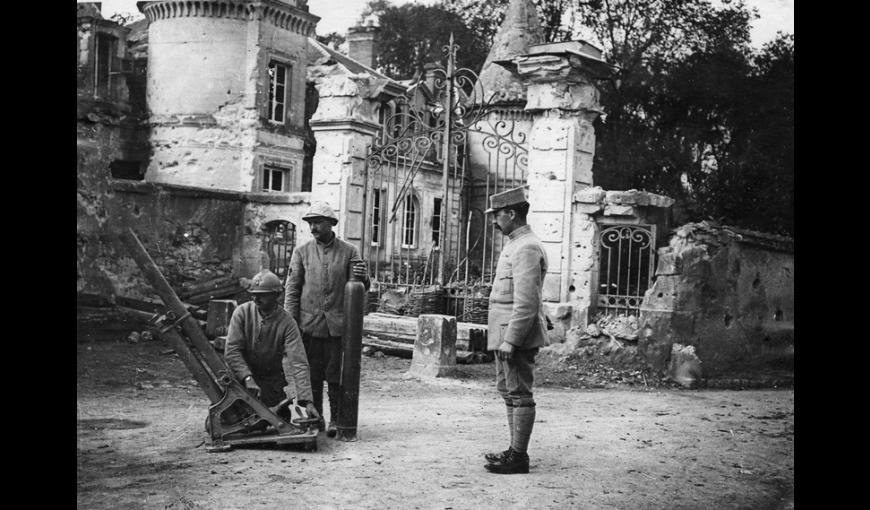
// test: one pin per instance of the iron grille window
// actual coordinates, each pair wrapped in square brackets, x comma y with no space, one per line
[626,267]
[377,217]
[409,223]
[279,75]
[275,178]
[436,223]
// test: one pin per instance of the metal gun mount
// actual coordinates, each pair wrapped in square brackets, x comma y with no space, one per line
[235,417]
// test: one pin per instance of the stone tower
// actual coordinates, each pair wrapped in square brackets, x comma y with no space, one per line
[226,93]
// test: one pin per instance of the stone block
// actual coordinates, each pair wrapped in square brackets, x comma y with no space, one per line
[585,137]
[669,264]
[547,226]
[685,367]
[553,250]
[548,164]
[621,197]
[593,195]
[547,195]
[619,210]
[435,347]
[587,208]
[582,168]
[552,289]
[550,134]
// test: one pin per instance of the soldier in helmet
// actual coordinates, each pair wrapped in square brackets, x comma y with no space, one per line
[319,270]
[516,324]
[264,348]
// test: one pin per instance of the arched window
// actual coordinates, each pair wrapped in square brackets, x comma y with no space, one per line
[410,221]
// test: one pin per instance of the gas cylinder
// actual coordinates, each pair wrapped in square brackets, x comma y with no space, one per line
[351,352]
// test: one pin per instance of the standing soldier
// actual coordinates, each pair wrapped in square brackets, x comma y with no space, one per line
[516,327]
[319,270]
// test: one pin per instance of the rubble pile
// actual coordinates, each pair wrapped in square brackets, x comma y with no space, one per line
[602,355]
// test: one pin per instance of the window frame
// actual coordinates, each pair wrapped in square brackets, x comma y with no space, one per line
[378,217]
[436,225]
[102,76]
[268,169]
[414,203]
[271,91]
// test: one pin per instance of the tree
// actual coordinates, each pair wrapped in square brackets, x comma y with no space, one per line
[485,18]
[413,35]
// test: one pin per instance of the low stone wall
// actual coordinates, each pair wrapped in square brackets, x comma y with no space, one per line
[729,294]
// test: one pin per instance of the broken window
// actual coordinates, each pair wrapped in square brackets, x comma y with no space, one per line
[275,178]
[378,217]
[103,65]
[279,79]
[409,222]
[436,223]
[122,169]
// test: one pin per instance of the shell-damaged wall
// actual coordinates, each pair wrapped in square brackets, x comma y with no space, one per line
[191,238]
[730,295]
[192,235]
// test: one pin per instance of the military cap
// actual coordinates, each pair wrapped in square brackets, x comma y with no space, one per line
[515,196]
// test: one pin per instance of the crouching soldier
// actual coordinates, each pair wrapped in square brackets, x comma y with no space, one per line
[264,348]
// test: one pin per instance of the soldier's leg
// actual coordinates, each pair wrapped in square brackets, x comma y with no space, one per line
[333,377]
[519,376]
[524,402]
[313,351]
[501,387]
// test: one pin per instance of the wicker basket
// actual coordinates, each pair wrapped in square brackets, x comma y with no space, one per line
[425,300]
[476,310]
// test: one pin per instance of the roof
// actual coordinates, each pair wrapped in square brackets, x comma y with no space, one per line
[352,66]
[519,30]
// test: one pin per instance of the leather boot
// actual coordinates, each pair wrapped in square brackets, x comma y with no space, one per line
[517,461]
[514,462]
[492,457]
[332,394]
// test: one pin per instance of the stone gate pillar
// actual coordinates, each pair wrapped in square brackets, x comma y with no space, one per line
[344,126]
[565,103]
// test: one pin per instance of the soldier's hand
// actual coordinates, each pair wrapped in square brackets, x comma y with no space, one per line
[252,386]
[359,270]
[505,352]
[312,411]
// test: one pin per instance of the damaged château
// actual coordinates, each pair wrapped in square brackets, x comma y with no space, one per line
[209,127]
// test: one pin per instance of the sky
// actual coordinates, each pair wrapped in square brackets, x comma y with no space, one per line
[339,15]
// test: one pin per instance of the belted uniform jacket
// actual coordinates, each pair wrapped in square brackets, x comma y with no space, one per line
[516,314]
[314,294]
[268,348]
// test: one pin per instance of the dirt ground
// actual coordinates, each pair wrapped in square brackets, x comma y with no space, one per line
[140,436]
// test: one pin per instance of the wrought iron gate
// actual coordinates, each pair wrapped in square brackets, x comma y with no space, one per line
[424,134]
[626,267]
[280,242]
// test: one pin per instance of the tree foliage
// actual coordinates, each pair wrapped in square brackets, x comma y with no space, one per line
[413,35]
[692,111]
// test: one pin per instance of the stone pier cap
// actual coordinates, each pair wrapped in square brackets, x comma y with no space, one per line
[617,203]
[560,61]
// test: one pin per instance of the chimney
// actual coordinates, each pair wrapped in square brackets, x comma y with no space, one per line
[362,44]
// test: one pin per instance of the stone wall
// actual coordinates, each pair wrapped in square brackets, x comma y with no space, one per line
[729,293]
